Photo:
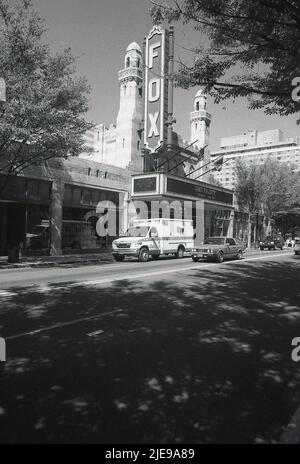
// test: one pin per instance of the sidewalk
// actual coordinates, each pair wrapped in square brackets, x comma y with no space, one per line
[62,260]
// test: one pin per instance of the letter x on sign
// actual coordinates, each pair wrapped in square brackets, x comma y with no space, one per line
[153,121]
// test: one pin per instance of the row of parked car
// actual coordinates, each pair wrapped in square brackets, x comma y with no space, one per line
[271,243]
[156,237]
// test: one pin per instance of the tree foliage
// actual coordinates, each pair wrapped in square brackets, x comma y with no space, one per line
[253,49]
[44,113]
[249,186]
[269,187]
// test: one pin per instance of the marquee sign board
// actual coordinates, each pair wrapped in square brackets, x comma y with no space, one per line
[156,89]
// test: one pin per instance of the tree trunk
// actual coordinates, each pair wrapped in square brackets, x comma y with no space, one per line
[254,235]
[249,231]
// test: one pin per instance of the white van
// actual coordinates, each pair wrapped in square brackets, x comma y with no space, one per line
[155,237]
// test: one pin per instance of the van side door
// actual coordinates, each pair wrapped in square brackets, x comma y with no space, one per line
[154,240]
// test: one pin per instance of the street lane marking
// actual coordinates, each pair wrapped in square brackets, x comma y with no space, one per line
[97,332]
[61,324]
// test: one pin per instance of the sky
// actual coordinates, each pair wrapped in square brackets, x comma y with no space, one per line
[99,31]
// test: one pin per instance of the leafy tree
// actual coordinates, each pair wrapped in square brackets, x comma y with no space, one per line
[266,188]
[253,49]
[249,190]
[281,186]
[44,113]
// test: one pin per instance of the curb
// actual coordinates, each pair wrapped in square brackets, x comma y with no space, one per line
[105,258]
[101,258]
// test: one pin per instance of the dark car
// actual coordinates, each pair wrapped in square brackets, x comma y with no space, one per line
[271,243]
[218,249]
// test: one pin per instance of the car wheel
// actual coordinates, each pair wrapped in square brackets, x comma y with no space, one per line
[144,255]
[119,258]
[195,259]
[239,255]
[180,252]
[220,257]
[261,248]
[296,252]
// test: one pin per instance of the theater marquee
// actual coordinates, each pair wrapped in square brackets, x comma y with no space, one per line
[156,60]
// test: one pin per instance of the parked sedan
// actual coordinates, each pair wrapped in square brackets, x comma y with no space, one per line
[218,249]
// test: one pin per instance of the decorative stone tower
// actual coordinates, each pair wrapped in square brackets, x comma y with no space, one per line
[128,135]
[200,121]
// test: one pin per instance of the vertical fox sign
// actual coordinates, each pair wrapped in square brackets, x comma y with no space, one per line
[156,89]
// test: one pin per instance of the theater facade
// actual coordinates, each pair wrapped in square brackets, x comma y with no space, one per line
[210,207]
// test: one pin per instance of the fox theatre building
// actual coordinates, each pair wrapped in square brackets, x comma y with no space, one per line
[165,188]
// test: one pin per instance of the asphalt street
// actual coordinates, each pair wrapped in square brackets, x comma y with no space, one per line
[168,351]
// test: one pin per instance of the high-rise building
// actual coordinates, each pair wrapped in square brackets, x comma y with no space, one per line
[254,147]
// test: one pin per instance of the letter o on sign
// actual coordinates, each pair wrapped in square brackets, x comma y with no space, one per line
[154,90]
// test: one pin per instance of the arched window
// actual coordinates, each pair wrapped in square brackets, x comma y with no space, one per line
[197,106]
[138,145]
[138,62]
[124,89]
[105,175]
[196,126]
[89,171]
[127,62]
[123,142]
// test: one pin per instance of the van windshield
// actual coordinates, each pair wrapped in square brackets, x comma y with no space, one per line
[137,231]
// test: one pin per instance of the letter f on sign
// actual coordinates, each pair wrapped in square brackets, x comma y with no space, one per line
[153,121]
[152,53]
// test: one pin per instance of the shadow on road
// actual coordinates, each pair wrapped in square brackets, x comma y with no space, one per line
[199,360]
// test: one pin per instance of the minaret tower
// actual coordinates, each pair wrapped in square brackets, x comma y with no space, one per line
[200,121]
[128,146]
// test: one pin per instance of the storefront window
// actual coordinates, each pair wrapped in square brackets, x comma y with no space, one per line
[216,222]
[37,230]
